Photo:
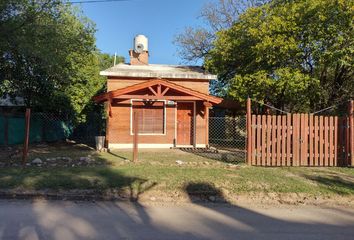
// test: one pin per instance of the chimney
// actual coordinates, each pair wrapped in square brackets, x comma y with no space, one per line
[140,54]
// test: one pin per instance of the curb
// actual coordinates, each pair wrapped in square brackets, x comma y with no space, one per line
[84,195]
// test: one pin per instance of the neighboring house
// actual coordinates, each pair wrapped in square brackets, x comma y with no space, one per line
[7,101]
[171,102]
[10,105]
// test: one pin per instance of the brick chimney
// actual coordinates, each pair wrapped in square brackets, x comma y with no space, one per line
[140,54]
[139,58]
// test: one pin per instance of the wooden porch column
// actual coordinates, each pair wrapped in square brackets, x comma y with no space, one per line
[351,132]
[207,105]
[135,137]
[109,113]
[249,128]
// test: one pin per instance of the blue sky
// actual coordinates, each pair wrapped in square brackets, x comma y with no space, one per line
[160,20]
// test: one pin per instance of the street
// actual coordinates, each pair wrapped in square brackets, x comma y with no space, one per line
[65,220]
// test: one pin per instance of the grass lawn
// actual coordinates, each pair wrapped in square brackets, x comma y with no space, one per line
[157,171]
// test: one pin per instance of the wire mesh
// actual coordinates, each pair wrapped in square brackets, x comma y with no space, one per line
[227,135]
[227,140]
[44,128]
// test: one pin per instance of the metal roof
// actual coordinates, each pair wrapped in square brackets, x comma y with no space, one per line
[158,71]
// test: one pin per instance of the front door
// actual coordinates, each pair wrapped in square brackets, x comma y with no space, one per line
[185,117]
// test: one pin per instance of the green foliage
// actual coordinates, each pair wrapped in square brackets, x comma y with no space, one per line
[286,86]
[295,54]
[48,56]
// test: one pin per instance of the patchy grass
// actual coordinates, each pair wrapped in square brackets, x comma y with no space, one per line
[157,170]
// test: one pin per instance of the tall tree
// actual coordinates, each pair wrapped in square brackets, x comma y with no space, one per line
[194,43]
[48,55]
[295,54]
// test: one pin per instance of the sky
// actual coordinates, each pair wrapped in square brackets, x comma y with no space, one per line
[160,20]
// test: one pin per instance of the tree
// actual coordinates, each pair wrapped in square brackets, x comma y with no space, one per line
[48,56]
[194,43]
[295,54]
[42,43]
[92,117]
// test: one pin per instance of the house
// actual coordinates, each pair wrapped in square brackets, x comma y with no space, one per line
[171,103]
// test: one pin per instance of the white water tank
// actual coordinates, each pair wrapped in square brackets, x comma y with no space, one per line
[140,43]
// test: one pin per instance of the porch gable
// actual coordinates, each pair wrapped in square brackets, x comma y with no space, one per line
[157,90]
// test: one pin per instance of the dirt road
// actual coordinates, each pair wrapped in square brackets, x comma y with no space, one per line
[62,220]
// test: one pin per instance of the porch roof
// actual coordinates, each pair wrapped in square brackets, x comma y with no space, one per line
[157,95]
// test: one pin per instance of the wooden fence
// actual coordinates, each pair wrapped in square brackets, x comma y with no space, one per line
[300,140]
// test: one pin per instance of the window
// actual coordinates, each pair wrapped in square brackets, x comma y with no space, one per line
[151,117]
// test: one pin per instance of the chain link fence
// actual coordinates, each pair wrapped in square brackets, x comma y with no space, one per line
[227,140]
[47,131]
[227,135]
[44,127]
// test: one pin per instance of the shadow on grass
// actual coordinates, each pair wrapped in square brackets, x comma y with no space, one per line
[333,182]
[118,156]
[227,155]
[102,182]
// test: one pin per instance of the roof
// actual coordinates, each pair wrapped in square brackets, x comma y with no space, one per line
[158,71]
[231,105]
[150,83]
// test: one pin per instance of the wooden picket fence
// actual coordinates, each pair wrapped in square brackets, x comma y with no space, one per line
[300,140]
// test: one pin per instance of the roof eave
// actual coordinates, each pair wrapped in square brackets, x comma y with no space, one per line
[159,75]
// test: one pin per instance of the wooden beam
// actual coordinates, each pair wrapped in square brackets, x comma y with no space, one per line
[249,128]
[153,91]
[206,118]
[139,86]
[110,107]
[207,104]
[26,141]
[165,91]
[135,137]
[190,98]
[159,90]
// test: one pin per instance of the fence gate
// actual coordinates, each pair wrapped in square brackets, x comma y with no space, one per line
[300,140]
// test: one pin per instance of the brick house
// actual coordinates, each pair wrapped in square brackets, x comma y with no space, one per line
[171,103]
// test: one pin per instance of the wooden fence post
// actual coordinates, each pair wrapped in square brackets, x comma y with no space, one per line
[135,138]
[351,132]
[6,129]
[249,131]
[207,105]
[26,140]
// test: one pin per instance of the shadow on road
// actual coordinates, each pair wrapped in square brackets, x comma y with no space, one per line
[210,216]
[261,224]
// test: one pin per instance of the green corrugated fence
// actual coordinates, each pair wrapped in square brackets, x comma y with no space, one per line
[42,129]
